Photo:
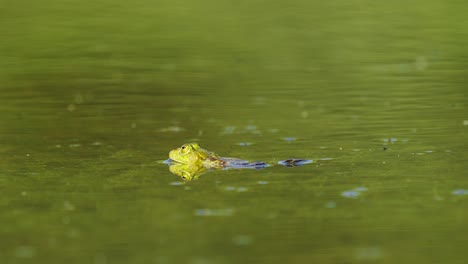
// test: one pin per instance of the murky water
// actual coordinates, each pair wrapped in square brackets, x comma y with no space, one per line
[95,95]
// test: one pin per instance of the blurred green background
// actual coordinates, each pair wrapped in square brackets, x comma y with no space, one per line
[94,94]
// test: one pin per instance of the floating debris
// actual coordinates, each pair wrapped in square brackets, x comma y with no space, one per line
[350,194]
[74,145]
[354,193]
[273,130]
[294,162]
[242,189]
[465,122]
[214,212]
[262,182]
[390,140]
[175,129]
[289,139]
[244,144]
[176,183]
[238,189]
[460,192]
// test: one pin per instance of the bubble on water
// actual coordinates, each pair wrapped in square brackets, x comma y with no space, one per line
[25,252]
[244,144]
[177,183]
[242,240]
[273,130]
[460,192]
[262,182]
[74,145]
[229,188]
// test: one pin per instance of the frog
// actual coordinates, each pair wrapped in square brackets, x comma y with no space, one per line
[190,161]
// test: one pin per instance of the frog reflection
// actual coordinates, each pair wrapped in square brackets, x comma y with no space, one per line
[188,172]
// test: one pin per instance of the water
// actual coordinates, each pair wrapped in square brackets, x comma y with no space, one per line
[95,95]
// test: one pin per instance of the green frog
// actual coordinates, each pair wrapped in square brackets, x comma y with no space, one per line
[190,161]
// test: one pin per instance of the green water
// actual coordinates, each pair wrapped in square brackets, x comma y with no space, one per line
[94,94]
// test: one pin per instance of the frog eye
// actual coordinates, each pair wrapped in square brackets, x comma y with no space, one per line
[184,149]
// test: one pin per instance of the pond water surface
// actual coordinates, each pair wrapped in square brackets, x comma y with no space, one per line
[94,96]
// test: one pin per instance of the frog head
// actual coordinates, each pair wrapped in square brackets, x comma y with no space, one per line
[190,153]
